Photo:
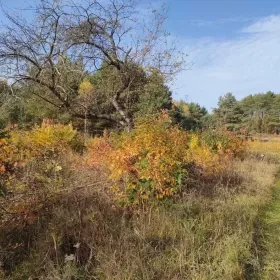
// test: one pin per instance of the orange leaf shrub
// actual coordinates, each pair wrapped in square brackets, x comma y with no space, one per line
[98,151]
[152,160]
[146,162]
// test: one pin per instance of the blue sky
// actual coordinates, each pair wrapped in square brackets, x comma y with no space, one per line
[233,46]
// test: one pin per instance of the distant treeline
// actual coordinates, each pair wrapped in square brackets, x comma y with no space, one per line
[255,113]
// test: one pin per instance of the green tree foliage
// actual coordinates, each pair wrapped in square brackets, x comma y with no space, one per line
[155,95]
[190,116]
[254,113]
[147,94]
[262,112]
[4,92]
[229,113]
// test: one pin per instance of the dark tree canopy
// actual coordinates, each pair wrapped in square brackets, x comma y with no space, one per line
[190,116]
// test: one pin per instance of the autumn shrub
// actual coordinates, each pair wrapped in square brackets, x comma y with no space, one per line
[42,147]
[36,166]
[47,141]
[153,160]
[8,155]
[44,140]
[205,159]
[146,162]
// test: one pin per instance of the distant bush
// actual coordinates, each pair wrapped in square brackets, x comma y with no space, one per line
[203,156]
[224,143]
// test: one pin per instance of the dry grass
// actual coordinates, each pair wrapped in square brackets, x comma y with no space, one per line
[205,235]
[270,149]
[267,230]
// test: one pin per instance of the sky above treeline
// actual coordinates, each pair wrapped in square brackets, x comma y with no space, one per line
[232,46]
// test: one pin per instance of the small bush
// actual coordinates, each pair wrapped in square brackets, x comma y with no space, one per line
[204,158]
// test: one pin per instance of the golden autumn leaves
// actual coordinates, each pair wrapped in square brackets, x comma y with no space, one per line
[153,159]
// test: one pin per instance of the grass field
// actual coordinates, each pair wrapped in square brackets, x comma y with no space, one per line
[224,229]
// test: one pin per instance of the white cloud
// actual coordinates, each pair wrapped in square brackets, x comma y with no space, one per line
[244,65]
[269,24]
[217,22]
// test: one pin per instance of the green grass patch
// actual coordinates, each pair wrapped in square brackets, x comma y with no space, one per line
[270,240]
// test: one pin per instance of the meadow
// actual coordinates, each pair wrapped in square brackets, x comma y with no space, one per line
[121,206]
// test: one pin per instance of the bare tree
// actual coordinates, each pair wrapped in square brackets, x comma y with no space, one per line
[45,52]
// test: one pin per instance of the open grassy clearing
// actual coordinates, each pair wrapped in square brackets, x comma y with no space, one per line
[270,149]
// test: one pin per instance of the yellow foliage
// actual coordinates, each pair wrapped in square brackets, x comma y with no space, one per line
[43,140]
[225,143]
[152,160]
[22,147]
[182,106]
[203,156]
[146,162]
[8,156]
[270,148]
[86,87]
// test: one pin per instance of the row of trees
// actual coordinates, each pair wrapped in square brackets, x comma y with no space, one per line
[29,109]
[254,113]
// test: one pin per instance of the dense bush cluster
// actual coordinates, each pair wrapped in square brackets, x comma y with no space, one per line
[41,144]
[153,160]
